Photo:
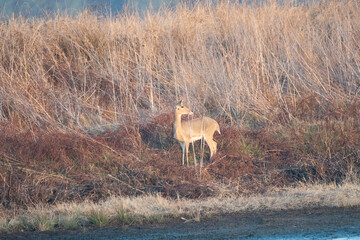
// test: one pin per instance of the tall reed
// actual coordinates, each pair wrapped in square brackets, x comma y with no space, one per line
[236,61]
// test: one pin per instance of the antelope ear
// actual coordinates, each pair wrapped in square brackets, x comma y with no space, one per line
[180,103]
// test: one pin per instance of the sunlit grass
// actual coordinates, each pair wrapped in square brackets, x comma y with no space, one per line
[156,209]
[267,62]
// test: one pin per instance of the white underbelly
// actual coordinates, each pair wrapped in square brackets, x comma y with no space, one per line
[193,139]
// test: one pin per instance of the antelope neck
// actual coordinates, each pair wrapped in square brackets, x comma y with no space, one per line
[178,122]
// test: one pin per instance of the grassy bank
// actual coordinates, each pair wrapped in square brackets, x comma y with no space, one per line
[147,209]
[86,102]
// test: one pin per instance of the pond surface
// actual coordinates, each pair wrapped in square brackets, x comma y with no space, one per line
[333,223]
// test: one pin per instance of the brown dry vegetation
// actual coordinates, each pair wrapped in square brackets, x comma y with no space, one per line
[86,102]
[147,209]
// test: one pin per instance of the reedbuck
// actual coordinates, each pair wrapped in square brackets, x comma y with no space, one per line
[189,131]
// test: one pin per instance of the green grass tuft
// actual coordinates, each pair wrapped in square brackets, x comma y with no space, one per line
[98,218]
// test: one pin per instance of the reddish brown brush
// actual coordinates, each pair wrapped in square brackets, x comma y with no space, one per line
[51,166]
[55,166]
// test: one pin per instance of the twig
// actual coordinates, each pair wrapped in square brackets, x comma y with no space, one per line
[216,161]
[112,177]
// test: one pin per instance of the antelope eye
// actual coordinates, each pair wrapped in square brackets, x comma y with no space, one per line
[182,106]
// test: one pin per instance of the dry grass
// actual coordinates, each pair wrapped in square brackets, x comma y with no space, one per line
[238,61]
[86,102]
[157,209]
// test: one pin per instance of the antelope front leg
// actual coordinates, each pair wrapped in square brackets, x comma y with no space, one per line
[183,151]
[194,153]
[187,153]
